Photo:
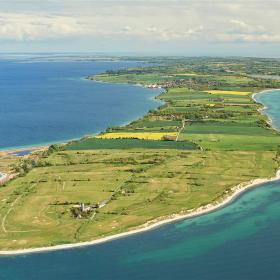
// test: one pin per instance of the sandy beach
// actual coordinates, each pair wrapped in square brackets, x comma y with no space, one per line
[232,195]
[27,150]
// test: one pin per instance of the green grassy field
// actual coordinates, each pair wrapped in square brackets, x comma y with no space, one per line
[35,209]
[97,144]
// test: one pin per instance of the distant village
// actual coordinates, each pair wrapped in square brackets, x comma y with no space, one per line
[152,86]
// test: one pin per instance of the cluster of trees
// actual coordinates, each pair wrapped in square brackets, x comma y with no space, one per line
[28,163]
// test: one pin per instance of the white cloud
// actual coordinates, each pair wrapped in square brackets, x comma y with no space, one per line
[193,32]
[241,31]
[165,20]
[151,29]
[248,38]
[245,28]
[36,26]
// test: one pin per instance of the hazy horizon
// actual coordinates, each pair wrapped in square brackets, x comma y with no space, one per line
[128,54]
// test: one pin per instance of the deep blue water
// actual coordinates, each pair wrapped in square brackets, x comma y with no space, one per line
[239,241]
[46,102]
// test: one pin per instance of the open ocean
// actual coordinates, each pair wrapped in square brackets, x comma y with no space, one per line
[44,102]
[239,241]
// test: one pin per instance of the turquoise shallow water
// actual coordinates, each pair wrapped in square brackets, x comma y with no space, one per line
[239,241]
[271,100]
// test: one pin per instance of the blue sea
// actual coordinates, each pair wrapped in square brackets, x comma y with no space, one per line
[47,100]
[239,241]
[271,100]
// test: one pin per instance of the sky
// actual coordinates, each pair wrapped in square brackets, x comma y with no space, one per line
[142,27]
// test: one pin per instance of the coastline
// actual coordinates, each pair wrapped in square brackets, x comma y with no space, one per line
[150,225]
[264,107]
[41,146]
[30,149]
[234,193]
[46,145]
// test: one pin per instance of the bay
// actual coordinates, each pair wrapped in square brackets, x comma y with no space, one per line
[46,102]
[271,101]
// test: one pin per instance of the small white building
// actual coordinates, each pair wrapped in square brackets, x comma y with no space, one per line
[3,177]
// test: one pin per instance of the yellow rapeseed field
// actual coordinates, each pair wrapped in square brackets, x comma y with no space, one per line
[186,74]
[138,135]
[228,92]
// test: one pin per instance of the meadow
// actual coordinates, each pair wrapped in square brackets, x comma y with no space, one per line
[143,184]
[121,143]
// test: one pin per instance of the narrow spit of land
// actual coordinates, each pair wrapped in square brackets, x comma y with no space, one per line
[182,159]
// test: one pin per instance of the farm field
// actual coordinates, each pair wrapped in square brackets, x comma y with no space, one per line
[137,135]
[97,144]
[213,121]
[228,92]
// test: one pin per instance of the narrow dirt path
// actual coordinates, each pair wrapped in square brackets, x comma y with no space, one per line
[181,129]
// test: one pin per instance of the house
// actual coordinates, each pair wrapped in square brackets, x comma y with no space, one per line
[81,210]
[3,178]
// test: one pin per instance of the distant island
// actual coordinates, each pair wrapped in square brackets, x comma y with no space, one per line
[208,142]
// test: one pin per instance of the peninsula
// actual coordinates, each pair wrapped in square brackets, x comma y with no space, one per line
[207,143]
